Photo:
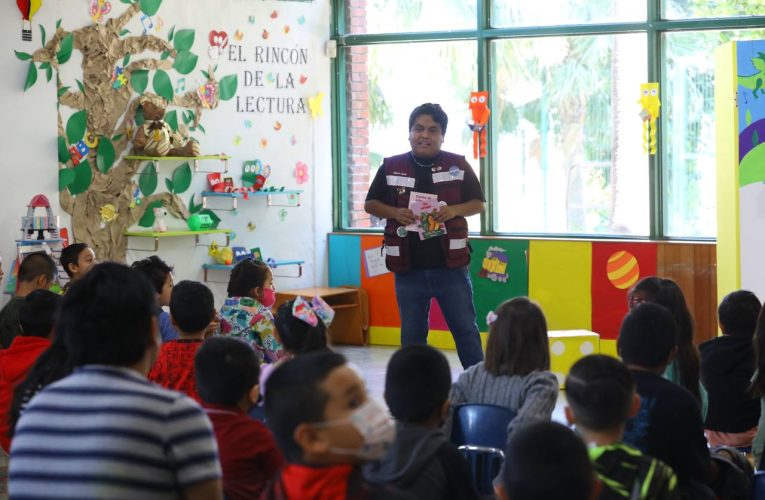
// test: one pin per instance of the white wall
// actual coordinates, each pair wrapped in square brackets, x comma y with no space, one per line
[28,131]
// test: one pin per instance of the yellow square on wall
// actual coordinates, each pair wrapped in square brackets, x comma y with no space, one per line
[568,346]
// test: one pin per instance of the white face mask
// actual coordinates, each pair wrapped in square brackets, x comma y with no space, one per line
[376,427]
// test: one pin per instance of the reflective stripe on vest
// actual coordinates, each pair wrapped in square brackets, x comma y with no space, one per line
[447,176]
[400,180]
[457,244]
[392,251]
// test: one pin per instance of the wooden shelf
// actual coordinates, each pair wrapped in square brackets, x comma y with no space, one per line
[193,159]
[237,195]
[174,234]
[273,265]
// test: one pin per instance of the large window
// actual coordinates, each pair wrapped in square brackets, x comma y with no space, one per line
[565,147]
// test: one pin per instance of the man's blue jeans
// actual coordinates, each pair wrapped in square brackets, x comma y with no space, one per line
[454,292]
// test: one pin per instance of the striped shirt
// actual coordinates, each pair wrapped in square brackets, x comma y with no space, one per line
[106,432]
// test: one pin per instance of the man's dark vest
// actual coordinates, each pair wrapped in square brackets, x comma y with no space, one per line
[448,174]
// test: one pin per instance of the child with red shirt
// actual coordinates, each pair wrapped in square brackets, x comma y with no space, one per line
[192,308]
[227,371]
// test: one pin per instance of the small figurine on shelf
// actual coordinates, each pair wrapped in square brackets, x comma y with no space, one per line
[160,226]
[155,137]
[199,222]
[215,182]
[31,223]
[241,253]
[221,255]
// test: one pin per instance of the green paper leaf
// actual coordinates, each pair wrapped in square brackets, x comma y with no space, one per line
[185,62]
[228,86]
[188,116]
[63,151]
[162,85]
[139,119]
[205,74]
[171,119]
[213,216]
[139,79]
[62,91]
[23,55]
[65,178]
[48,71]
[42,34]
[182,178]
[58,23]
[126,60]
[164,55]
[31,75]
[105,156]
[169,185]
[127,1]
[75,126]
[148,216]
[80,86]
[194,207]
[82,178]
[65,49]
[215,68]
[170,34]
[150,7]
[117,137]
[147,180]
[124,32]
[200,127]
[183,40]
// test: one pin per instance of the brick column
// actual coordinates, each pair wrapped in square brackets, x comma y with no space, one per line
[357,115]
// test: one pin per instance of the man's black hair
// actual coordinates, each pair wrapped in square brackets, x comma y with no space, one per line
[547,461]
[192,306]
[37,264]
[37,313]
[434,110]
[107,317]
[225,369]
[599,390]
[155,269]
[738,313]
[293,397]
[246,275]
[417,383]
[71,255]
[647,336]
[297,336]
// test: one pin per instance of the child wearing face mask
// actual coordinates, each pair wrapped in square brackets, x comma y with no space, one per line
[246,313]
[326,426]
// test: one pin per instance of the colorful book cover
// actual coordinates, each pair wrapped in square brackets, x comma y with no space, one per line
[424,206]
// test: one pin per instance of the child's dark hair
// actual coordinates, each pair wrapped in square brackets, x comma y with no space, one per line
[432,109]
[738,313]
[106,317]
[246,275]
[71,255]
[37,264]
[225,369]
[647,336]
[293,396]
[155,269]
[547,461]
[517,343]
[667,293]
[37,313]
[600,390]
[192,306]
[417,383]
[757,388]
[297,336]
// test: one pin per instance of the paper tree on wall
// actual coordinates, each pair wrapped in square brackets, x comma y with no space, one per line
[92,170]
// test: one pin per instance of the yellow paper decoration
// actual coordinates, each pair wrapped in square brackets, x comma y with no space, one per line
[650,103]
[314,104]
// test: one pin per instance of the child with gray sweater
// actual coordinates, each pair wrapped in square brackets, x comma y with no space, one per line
[516,372]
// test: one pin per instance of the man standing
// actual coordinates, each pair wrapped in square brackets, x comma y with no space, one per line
[432,267]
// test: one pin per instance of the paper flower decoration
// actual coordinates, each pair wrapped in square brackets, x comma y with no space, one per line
[301,172]
[98,9]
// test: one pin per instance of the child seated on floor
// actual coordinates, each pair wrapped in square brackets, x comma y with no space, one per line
[546,461]
[601,396]
[727,367]
[161,277]
[227,381]
[36,317]
[192,307]
[326,426]
[77,259]
[246,313]
[516,371]
[422,461]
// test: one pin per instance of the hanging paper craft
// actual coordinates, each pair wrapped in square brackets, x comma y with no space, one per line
[494,265]
[218,41]
[208,93]
[98,9]
[314,104]
[147,23]
[28,9]
[479,110]
[301,172]
[650,104]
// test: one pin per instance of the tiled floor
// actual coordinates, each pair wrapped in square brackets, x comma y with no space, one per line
[373,361]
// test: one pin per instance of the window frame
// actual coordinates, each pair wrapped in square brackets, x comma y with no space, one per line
[654,27]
